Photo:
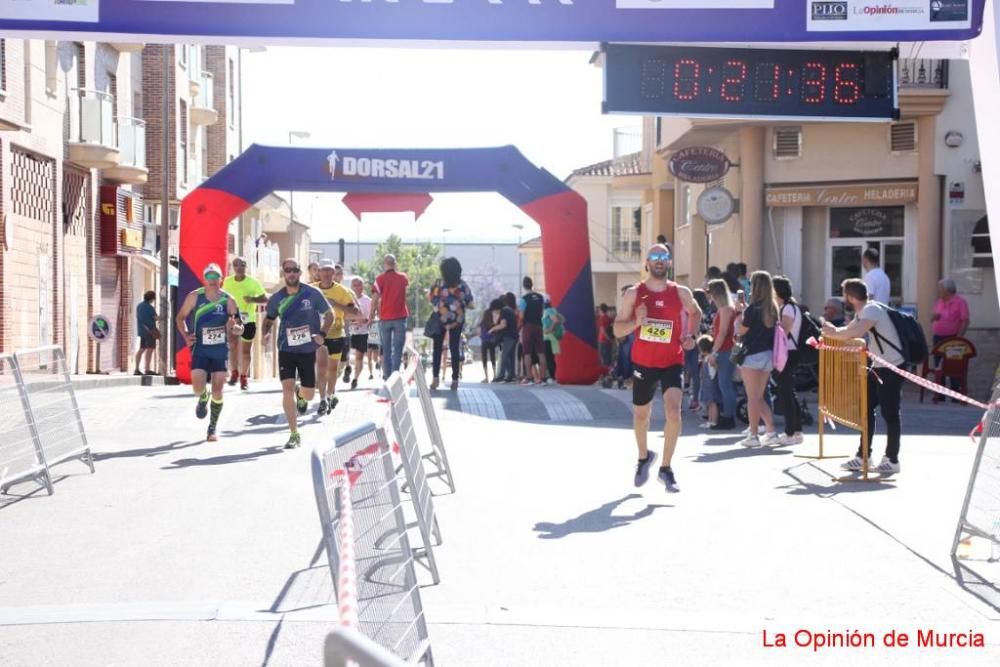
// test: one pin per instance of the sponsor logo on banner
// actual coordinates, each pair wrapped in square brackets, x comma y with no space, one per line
[694,4]
[355,167]
[50,10]
[949,10]
[699,164]
[886,9]
[829,11]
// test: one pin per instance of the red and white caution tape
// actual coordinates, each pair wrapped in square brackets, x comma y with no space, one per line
[347,577]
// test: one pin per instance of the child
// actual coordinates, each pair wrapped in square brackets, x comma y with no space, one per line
[710,394]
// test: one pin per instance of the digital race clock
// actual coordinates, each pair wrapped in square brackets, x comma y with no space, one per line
[750,83]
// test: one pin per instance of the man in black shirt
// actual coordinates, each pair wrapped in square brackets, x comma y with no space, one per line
[532,306]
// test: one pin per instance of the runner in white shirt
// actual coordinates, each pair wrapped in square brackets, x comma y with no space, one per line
[876,279]
[360,329]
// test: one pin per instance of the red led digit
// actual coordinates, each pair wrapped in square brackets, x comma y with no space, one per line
[767,87]
[846,83]
[687,72]
[814,83]
[733,81]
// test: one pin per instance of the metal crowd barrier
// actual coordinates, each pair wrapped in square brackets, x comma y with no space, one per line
[54,411]
[980,516]
[438,456]
[409,451]
[843,390]
[346,647]
[21,455]
[389,609]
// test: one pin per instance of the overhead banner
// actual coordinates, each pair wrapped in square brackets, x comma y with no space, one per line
[281,21]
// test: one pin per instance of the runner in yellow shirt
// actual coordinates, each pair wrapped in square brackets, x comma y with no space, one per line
[344,307]
[247,292]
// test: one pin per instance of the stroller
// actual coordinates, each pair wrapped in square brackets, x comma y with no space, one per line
[772,387]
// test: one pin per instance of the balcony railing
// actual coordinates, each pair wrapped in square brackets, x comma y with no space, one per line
[923,73]
[93,111]
[132,142]
[205,97]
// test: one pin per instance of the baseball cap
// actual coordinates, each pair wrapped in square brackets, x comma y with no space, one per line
[212,268]
[327,263]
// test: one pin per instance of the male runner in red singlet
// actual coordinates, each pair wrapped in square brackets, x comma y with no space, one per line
[653,311]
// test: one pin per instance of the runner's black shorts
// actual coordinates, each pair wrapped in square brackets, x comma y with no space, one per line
[334,346]
[249,331]
[359,342]
[210,365]
[645,380]
[303,366]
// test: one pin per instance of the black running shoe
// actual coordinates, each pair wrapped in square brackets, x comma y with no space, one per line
[667,477]
[642,469]
[354,383]
[321,409]
[201,411]
[347,374]
[333,400]
[300,403]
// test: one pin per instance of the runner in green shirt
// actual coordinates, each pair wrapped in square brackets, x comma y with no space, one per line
[248,292]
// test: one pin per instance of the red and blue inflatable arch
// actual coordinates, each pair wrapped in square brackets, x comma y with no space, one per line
[560,212]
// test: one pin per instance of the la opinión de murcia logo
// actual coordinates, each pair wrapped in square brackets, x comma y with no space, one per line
[887,10]
[351,166]
[829,11]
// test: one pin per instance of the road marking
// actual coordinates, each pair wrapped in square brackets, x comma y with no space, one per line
[481,402]
[562,406]
[161,611]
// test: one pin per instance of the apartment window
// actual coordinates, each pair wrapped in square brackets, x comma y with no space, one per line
[81,65]
[982,248]
[3,65]
[903,137]
[626,229]
[231,87]
[787,142]
[182,122]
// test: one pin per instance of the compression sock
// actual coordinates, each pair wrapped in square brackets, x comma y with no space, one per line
[216,410]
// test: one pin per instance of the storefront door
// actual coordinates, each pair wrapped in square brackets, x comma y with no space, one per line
[854,230]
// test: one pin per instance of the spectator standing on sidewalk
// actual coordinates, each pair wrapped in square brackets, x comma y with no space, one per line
[145,320]
[884,386]
[532,306]
[719,357]
[488,343]
[791,322]
[950,319]
[553,328]
[451,298]
[876,280]
[506,330]
[756,330]
[604,339]
[389,306]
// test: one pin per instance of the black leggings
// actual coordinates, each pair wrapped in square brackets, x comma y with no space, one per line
[550,359]
[786,399]
[490,354]
[454,347]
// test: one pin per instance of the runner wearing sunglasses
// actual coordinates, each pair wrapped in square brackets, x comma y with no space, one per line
[653,311]
[214,319]
[301,332]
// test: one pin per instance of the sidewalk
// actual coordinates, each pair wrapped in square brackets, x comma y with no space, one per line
[178,552]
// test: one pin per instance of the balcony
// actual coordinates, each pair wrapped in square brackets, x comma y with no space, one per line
[923,86]
[128,47]
[131,167]
[93,142]
[203,104]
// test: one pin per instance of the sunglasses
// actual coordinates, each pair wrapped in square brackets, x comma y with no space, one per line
[659,257]
[293,270]
[212,276]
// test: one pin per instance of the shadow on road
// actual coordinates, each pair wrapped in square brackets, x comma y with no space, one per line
[145,451]
[801,487]
[738,453]
[595,521]
[224,459]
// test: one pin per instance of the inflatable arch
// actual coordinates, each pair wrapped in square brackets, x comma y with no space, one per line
[560,212]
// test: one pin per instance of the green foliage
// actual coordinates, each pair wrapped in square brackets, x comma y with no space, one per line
[418,262]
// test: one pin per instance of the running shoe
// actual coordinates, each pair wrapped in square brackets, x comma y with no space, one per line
[371,377]
[347,373]
[525,382]
[300,403]
[761,430]
[244,382]
[294,440]
[854,465]
[785,440]
[434,384]
[724,424]
[769,440]
[354,383]
[642,468]
[706,425]
[550,381]
[234,378]
[321,409]
[887,467]
[137,372]
[331,403]
[201,411]
[454,385]
[211,437]
[667,477]
[750,442]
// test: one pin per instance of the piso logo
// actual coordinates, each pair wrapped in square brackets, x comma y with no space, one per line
[829,10]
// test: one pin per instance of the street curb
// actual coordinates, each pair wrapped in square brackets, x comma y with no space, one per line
[83,382]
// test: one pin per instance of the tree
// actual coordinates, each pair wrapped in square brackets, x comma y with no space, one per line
[420,264]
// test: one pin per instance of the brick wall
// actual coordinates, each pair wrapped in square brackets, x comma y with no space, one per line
[216,62]
[152,86]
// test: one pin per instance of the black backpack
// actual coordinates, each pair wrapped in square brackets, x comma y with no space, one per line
[913,345]
[810,328]
[534,306]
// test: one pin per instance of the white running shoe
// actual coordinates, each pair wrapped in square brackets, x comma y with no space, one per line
[785,440]
[887,467]
[750,442]
[769,440]
[706,424]
[761,430]
[854,465]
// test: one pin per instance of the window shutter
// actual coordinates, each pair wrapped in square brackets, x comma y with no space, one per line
[903,137]
[787,142]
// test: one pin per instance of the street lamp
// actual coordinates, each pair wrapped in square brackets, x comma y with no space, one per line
[520,271]
[298,134]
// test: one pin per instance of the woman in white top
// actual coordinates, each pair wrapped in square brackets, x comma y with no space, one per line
[787,401]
